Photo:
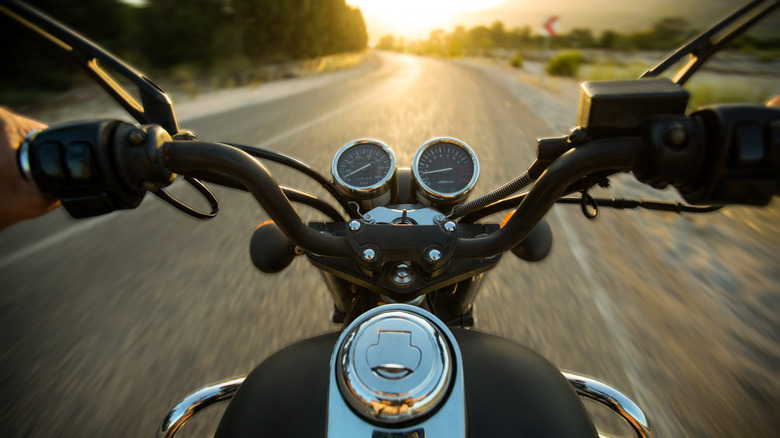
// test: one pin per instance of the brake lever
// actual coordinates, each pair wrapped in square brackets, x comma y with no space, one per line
[706,44]
[155,106]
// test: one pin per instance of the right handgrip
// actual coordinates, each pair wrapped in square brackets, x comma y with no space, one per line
[719,155]
[742,152]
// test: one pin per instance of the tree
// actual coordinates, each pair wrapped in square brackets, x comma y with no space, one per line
[184,32]
[581,38]
[387,42]
[665,34]
[498,34]
[608,40]
[32,64]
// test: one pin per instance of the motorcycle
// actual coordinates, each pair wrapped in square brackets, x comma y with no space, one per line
[404,258]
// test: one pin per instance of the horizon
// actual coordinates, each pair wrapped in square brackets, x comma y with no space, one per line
[597,15]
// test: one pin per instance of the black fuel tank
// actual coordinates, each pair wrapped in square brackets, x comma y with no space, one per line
[510,392]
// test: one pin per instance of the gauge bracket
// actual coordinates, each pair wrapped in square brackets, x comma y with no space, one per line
[395,242]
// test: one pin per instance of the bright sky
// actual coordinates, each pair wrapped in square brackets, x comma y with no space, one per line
[416,18]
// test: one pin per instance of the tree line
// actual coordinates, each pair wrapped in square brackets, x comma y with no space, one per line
[665,34]
[201,34]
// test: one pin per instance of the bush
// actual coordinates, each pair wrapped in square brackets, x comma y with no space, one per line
[516,61]
[712,91]
[565,64]
[608,71]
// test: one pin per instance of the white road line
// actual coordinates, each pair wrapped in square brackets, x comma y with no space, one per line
[87,224]
[54,239]
[321,119]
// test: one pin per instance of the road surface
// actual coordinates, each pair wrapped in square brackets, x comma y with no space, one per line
[106,323]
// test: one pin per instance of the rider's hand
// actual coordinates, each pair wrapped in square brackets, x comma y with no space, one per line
[19,200]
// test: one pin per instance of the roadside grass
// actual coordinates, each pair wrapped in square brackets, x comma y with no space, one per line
[192,81]
[241,72]
[332,62]
[608,71]
[709,90]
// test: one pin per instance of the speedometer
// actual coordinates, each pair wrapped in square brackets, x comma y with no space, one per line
[445,170]
[365,170]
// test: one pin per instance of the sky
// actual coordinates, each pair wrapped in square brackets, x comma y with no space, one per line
[415,19]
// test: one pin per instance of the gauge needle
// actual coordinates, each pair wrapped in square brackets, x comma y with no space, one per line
[358,170]
[437,171]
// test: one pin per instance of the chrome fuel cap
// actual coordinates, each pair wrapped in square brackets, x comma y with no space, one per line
[393,367]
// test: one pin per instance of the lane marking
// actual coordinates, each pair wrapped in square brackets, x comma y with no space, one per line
[336,112]
[54,239]
[87,224]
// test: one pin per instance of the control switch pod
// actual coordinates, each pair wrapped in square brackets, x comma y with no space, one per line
[742,154]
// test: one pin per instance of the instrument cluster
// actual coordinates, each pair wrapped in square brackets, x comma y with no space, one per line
[443,172]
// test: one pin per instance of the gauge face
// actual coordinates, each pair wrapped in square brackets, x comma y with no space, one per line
[364,166]
[445,168]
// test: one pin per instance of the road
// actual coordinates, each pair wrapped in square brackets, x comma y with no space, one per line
[106,323]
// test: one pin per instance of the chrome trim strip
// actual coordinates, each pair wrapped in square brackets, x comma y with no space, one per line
[434,195]
[417,216]
[613,399]
[24,156]
[196,402]
[364,192]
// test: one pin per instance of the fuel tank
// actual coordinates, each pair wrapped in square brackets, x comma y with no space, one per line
[508,390]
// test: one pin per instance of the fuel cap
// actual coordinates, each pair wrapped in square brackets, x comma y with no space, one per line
[393,367]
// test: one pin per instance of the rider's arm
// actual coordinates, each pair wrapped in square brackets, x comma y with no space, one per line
[19,200]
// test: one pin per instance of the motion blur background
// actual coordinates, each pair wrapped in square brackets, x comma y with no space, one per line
[106,323]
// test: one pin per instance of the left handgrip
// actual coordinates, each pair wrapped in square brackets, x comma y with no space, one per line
[96,167]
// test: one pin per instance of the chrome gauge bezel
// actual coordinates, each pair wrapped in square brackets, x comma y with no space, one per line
[374,190]
[436,196]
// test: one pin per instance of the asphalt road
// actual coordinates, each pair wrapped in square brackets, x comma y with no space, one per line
[106,323]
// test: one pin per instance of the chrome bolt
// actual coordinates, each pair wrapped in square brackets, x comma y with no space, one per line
[402,274]
[136,137]
[439,218]
[450,226]
[368,218]
[354,225]
[434,255]
[368,254]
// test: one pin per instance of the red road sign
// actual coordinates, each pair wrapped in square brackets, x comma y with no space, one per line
[548,24]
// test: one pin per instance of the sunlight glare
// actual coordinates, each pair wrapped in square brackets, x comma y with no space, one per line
[415,16]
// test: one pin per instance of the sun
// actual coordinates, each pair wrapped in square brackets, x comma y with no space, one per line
[414,18]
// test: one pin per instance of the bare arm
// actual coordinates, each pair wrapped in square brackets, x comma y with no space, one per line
[19,200]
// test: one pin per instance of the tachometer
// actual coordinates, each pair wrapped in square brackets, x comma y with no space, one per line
[365,170]
[444,170]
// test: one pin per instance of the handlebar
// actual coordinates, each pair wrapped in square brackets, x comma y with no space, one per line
[187,156]
[717,156]
[619,154]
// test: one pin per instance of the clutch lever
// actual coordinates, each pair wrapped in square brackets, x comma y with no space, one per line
[155,106]
[700,48]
